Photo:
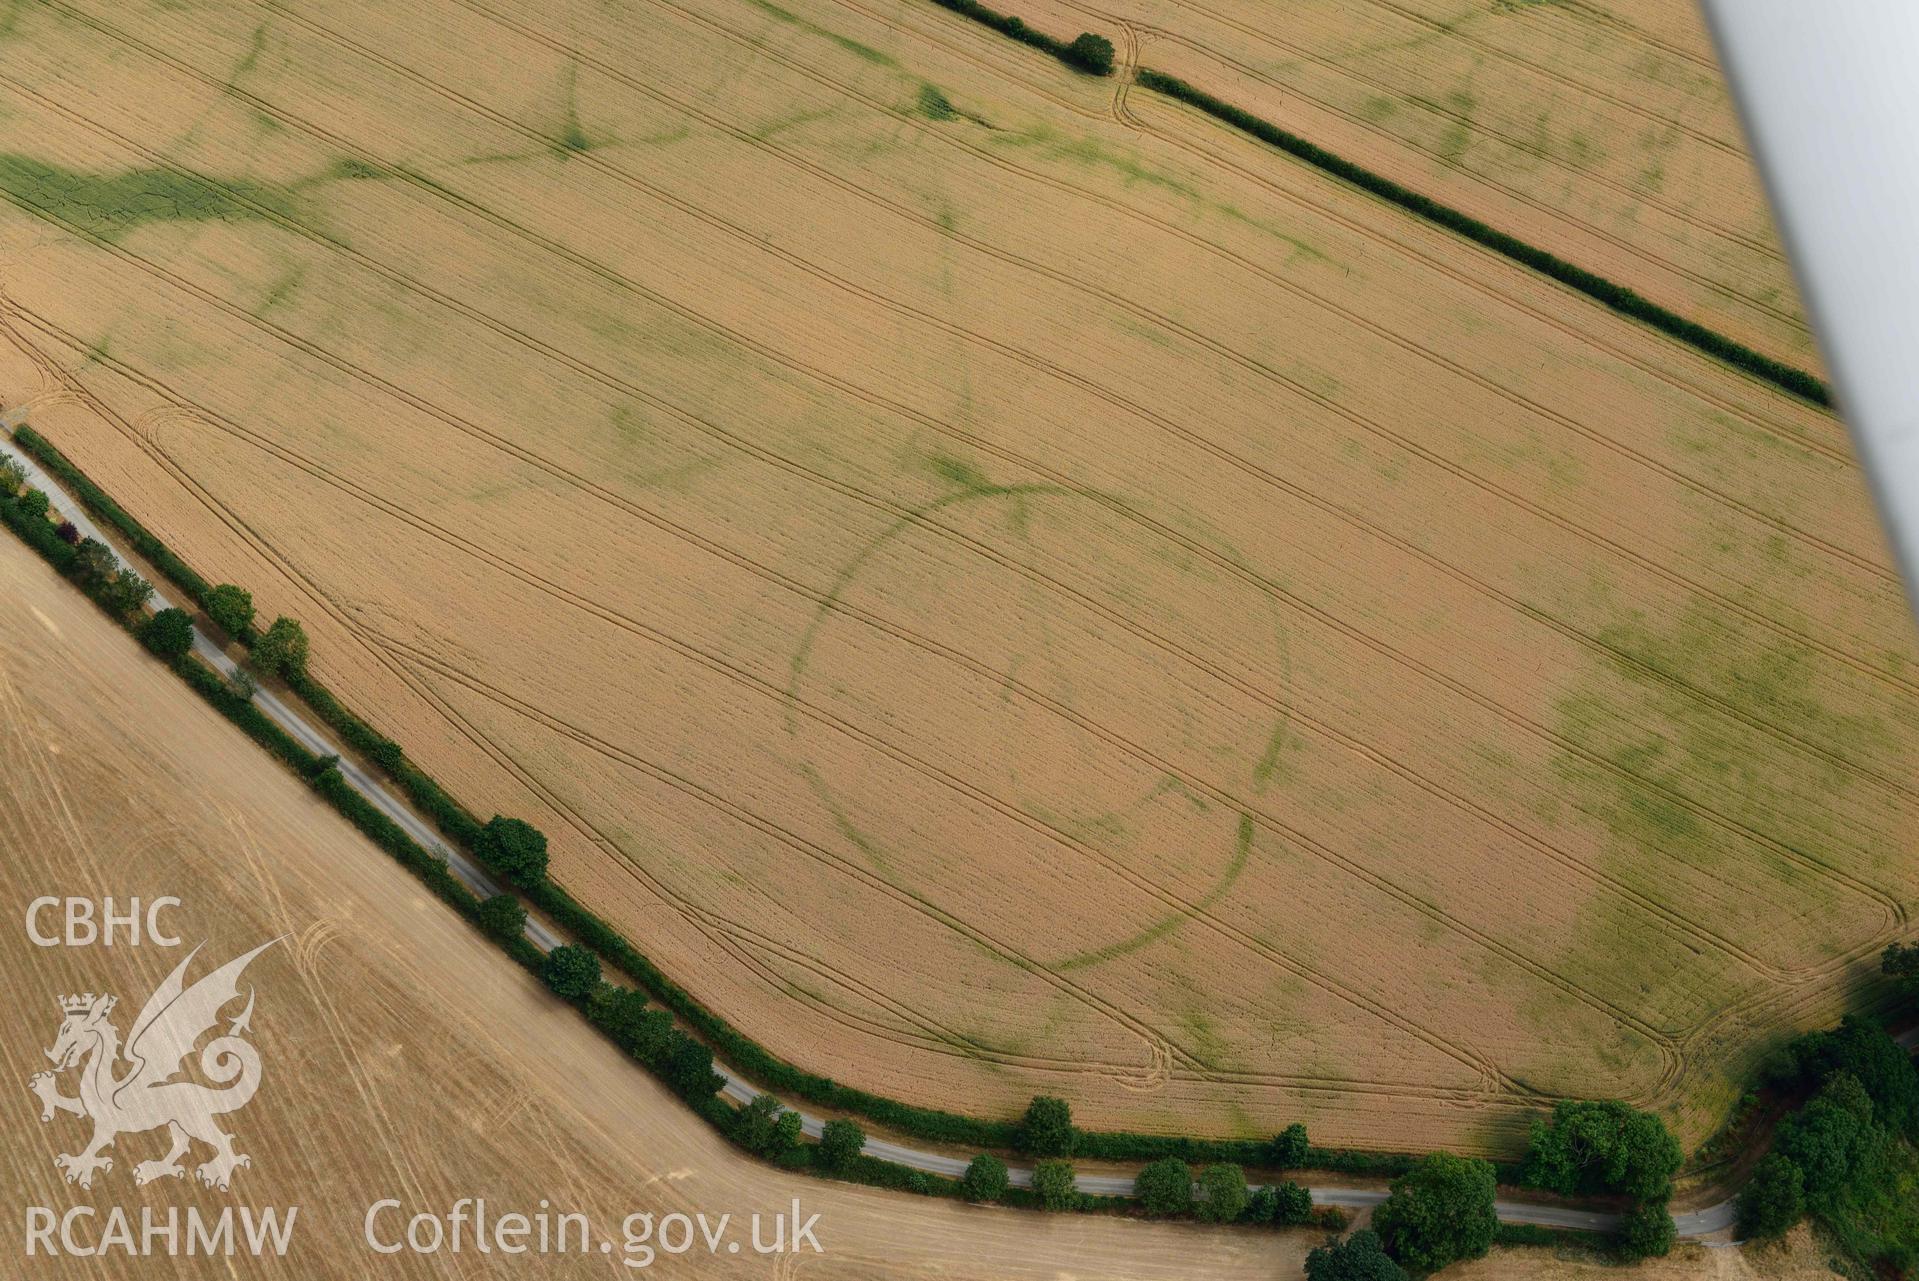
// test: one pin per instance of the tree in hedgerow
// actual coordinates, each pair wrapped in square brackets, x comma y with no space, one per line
[1440,1212]
[1830,1137]
[620,1012]
[515,849]
[12,476]
[687,1066]
[1294,1204]
[840,1141]
[650,1036]
[1047,1128]
[125,592]
[1289,1148]
[1222,1193]
[169,634]
[1774,1198]
[1360,1257]
[68,533]
[1647,1231]
[766,1128]
[34,502]
[93,565]
[572,972]
[985,1178]
[1594,1148]
[502,917]
[1056,1185]
[1901,965]
[1864,1050]
[1262,1206]
[1090,53]
[1165,1187]
[282,648]
[230,608]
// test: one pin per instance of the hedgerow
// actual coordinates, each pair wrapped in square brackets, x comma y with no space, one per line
[1085,52]
[684,1063]
[157,553]
[1616,296]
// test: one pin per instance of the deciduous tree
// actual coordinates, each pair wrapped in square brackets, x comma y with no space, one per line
[1596,1148]
[572,972]
[1056,1185]
[840,1141]
[515,849]
[169,634]
[502,917]
[1047,1128]
[1360,1257]
[985,1178]
[1222,1193]
[1440,1212]
[230,608]
[1165,1187]
[1290,1147]
[1774,1199]
[282,648]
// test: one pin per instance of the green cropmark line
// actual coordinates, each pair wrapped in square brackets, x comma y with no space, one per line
[107,206]
[974,488]
[1242,850]
[852,46]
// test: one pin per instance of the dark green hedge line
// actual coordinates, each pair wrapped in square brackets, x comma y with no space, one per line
[255,723]
[38,533]
[745,1054]
[389,836]
[1085,52]
[323,775]
[157,553]
[748,1055]
[1616,296]
[448,814]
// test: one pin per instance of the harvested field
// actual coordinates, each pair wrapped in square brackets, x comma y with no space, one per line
[403,1056]
[991,600]
[1601,132]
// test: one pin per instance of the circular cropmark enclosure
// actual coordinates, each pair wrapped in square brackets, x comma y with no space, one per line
[1071,698]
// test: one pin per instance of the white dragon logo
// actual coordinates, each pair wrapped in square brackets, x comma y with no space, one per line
[145,1096]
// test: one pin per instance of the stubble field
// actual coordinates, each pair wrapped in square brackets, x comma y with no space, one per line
[995,587]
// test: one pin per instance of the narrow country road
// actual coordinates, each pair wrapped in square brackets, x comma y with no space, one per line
[1693,1224]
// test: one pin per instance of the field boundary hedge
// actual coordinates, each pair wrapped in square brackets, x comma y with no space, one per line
[1619,298]
[459,825]
[1087,53]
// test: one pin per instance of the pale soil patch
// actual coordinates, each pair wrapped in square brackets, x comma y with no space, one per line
[403,1056]
[990,607]
[1603,133]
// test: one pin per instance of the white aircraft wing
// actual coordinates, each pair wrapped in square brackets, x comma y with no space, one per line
[1829,90]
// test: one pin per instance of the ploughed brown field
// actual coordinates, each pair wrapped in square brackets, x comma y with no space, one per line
[995,587]
[1599,130]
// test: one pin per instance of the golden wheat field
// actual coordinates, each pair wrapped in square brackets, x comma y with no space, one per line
[402,1056]
[1598,130]
[991,598]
